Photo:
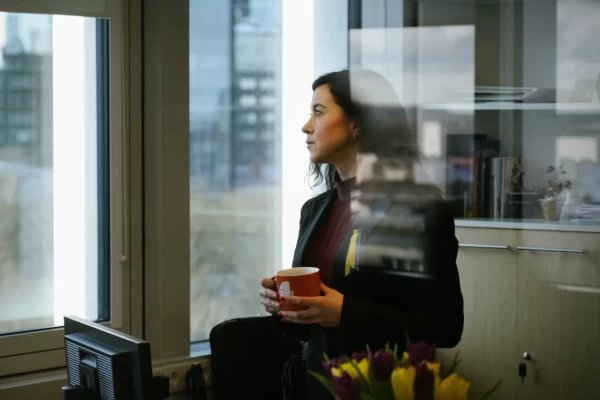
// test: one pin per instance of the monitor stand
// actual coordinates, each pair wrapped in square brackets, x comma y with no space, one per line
[76,393]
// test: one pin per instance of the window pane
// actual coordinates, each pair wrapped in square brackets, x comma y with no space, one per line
[252,63]
[52,207]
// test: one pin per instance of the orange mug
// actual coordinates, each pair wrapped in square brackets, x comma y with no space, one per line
[299,281]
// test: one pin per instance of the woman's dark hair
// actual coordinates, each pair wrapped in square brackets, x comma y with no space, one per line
[370,100]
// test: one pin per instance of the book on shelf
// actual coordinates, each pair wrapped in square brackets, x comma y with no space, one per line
[483,153]
[506,177]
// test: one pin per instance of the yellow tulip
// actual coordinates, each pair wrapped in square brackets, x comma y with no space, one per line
[349,369]
[433,367]
[452,388]
[402,383]
[363,366]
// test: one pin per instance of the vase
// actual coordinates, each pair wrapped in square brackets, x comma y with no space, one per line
[549,209]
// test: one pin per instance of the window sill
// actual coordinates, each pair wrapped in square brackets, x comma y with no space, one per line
[47,384]
[38,385]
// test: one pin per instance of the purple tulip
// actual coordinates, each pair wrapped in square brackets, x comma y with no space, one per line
[333,363]
[382,365]
[346,388]
[359,356]
[419,352]
[424,380]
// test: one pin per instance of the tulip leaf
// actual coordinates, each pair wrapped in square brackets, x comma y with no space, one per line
[364,382]
[452,368]
[491,391]
[325,382]
[367,396]
[326,357]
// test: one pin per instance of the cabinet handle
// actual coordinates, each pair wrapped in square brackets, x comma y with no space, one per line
[578,251]
[483,246]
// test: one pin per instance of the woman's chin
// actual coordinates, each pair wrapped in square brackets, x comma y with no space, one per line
[316,160]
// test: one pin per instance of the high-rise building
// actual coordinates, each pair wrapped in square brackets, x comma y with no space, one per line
[234,64]
[25,101]
[255,91]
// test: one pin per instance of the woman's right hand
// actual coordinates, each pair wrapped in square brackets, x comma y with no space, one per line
[269,297]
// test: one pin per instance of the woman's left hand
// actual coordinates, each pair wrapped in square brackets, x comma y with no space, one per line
[323,310]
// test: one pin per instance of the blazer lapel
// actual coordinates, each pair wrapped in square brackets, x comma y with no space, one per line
[317,212]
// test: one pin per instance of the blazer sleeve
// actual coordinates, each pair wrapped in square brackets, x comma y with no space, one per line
[430,310]
[296,331]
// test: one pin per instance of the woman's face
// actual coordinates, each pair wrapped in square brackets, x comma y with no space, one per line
[328,131]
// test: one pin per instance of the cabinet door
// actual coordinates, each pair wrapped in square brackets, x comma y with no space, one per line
[559,314]
[488,283]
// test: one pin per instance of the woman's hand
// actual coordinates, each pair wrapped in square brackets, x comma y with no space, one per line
[269,297]
[323,310]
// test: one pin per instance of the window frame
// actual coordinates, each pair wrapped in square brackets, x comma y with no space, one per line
[25,352]
[166,178]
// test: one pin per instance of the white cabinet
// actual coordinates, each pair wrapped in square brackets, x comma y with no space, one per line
[558,314]
[536,292]
[487,264]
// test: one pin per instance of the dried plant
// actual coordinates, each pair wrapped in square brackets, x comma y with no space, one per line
[555,186]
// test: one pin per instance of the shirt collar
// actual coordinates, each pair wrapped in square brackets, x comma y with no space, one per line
[344,187]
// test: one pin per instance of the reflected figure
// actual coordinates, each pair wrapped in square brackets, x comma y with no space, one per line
[385,246]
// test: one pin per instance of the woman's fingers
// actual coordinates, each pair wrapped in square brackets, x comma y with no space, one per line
[268,283]
[269,298]
[271,294]
[265,301]
[308,316]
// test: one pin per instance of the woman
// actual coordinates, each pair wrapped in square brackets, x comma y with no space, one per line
[352,112]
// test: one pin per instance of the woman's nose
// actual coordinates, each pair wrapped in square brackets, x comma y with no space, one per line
[308,128]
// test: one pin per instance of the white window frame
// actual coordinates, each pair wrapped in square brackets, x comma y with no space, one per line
[166,157]
[166,178]
[34,351]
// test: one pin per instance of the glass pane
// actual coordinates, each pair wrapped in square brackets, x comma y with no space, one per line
[235,174]
[248,162]
[507,108]
[504,100]
[52,207]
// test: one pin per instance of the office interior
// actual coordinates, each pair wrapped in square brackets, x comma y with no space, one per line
[153,171]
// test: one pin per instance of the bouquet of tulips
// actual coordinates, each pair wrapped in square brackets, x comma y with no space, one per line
[384,375]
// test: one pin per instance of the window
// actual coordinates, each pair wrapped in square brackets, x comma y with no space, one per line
[269,117]
[267,84]
[242,229]
[24,136]
[247,136]
[249,118]
[20,118]
[247,100]
[54,192]
[247,84]
[267,101]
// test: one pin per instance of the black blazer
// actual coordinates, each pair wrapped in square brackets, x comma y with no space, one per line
[378,307]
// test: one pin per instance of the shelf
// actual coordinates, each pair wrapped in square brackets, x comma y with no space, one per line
[529,224]
[560,108]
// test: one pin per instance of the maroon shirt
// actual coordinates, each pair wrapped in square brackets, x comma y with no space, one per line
[331,230]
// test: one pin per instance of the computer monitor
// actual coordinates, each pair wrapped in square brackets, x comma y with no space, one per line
[103,363]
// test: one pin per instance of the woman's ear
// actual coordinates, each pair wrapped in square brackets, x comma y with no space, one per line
[355,129]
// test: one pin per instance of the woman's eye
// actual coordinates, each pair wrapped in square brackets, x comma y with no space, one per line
[317,113]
